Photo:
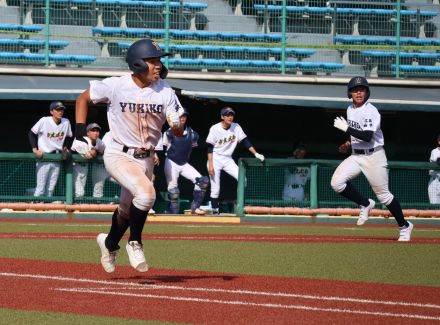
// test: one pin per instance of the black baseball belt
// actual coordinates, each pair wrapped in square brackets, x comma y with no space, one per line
[138,152]
[366,151]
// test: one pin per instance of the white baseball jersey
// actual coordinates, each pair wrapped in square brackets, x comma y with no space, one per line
[135,115]
[435,154]
[365,118]
[51,136]
[225,141]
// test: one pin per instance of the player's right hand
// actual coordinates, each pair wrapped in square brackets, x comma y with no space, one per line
[39,154]
[173,119]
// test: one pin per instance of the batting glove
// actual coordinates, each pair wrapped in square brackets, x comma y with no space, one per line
[341,124]
[173,119]
[260,157]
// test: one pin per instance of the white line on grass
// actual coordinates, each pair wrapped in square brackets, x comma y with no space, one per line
[134,285]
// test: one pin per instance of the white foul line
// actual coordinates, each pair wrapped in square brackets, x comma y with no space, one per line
[247,303]
[133,285]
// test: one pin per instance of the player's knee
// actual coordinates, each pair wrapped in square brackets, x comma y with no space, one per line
[144,201]
[385,197]
[202,183]
[337,184]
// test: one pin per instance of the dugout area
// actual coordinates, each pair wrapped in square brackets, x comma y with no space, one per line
[276,119]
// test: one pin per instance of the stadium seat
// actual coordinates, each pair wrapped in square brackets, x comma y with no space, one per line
[20,28]
[13,45]
[418,70]
[239,52]
[39,58]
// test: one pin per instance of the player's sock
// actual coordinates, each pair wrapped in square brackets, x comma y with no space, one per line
[352,194]
[137,221]
[397,213]
[117,230]
[214,203]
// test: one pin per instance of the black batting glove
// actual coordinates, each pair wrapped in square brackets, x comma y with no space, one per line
[80,131]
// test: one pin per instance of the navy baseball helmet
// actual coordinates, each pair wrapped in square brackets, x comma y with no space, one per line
[141,50]
[185,112]
[355,82]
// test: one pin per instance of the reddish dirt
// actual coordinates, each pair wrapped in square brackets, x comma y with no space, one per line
[209,298]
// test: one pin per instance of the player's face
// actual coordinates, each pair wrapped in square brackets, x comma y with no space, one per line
[228,119]
[57,113]
[358,95]
[93,134]
[154,68]
[183,120]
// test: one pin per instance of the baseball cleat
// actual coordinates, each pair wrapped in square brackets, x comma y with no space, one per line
[136,256]
[405,232]
[151,211]
[199,212]
[215,211]
[363,214]
[108,259]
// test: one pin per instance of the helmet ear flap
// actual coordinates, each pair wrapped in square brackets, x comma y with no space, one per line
[163,72]
[349,94]
[138,66]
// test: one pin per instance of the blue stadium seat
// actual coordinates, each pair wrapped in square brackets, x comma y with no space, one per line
[38,58]
[391,54]
[33,45]
[193,50]
[310,67]
[20,28]
[184,34]
[361,40]
[418,69]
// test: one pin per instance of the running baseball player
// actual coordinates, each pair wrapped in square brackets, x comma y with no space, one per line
[222,140]
[434,181]
[138,105]
[90,149]
[49,135]
[178,152]
[368,157]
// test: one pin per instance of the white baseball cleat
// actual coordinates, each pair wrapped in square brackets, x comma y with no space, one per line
[363,214]
[151,211]
[136,256]
[405,232]
[199,212]
[108,259]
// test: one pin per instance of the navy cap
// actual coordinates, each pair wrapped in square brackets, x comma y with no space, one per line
[185,112]
[92,126]
[227,111]
[57,104]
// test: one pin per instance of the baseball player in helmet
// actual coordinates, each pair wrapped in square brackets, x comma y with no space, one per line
[178,152]
[368,157]
[138,104]
[222,140]
[434,181]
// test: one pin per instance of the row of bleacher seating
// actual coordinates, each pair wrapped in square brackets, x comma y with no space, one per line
[363,40]
[116,13]
[184,34]
[39,58]
[355,21]
[237,52]
[24,50]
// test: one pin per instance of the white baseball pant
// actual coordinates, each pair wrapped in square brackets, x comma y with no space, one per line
[225,163]
[47,177]
[173,171]
[134,175]
[99,175]
[434,190]
[374,166]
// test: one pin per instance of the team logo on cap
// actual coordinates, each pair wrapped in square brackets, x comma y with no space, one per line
[358,80]
[156,45]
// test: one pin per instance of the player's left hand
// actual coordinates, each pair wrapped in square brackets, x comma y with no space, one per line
[260,157]
[173,119]
[156,159]
[341,124]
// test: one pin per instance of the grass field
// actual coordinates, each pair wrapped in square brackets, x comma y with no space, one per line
[355,263]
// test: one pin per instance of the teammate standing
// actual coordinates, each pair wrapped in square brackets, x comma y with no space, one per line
[294,182]
[137,107]
[222,140]
[434,181]
[49,135]
[178,152]
[368,157]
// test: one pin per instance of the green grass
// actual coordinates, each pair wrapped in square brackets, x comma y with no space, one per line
[21,317]
[399,263]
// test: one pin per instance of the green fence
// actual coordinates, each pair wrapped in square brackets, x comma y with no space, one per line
[323,37]
[18,180]
[264,184]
